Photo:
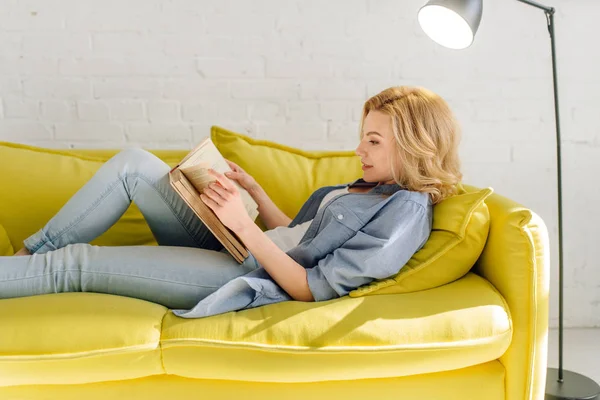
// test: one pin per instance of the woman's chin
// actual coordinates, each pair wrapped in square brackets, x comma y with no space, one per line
[366,179]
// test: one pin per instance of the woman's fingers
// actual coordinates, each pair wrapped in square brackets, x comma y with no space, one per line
[232,165]
[208,201]
[223,180]
[219,190]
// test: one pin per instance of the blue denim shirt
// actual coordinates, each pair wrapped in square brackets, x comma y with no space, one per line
[353,240]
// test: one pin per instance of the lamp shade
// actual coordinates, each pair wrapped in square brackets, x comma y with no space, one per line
[451,23]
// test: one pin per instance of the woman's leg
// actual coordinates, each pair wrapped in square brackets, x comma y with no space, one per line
[175,277]
[131,175]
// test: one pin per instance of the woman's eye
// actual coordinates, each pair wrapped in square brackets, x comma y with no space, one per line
[373,142]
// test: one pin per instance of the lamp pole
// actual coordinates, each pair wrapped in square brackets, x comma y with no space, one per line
[560,384]
[549,11]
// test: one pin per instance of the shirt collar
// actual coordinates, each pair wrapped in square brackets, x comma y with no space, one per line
[387,189]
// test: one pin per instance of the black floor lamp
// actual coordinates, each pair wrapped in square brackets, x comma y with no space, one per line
[453,24]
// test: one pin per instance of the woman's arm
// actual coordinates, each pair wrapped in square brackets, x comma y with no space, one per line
[270,214]
[284,270]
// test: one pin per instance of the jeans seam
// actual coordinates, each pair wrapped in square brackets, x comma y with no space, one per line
[103,195]
[111,273]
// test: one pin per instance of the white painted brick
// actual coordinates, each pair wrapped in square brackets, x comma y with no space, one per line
[346,132]
[66,88]
[292,132]
[585,122]
[12,42]
[126,110]
[335,110]
[304,68]
[57,44]
[126,44]
[231,68]
[298,111]
[15,107]
[215,111]
[16,131]
[260,7]
[127,88]
[111,16]
[322,48]
[366,70]
[332,8]
[266,111]
[356,25]
[157,132]
[483,152]
[59,111]
[320,24]
[92,111]
[195,90]
[90,131]
[24,18]
[228,47]
[120,67]
[10,86]
[239,24]
[265,90]
[333,90]
[163,111]
[356,109]
[33,66]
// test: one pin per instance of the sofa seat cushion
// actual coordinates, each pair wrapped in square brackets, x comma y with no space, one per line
[71,338]
[453,326]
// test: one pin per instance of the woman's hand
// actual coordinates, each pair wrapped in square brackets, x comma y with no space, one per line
[224,199]
[242,177]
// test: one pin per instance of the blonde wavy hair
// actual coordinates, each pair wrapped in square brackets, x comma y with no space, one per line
[427,137]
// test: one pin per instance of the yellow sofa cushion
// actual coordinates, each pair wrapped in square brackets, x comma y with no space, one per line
[460,229]
[290,176]
[71,338]
[6,248]
[450,327]
[53,176]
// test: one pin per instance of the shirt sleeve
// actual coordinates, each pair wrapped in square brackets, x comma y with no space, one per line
[378,250]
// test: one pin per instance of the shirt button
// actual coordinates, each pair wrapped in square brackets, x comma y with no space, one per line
[340,216]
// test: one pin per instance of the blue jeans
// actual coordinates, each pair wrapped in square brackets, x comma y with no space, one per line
[188,265]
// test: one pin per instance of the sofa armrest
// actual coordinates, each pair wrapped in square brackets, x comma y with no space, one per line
[516,261]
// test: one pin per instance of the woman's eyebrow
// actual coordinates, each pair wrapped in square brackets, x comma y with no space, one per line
[373,133]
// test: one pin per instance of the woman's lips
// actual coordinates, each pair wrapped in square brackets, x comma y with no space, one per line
[365,167]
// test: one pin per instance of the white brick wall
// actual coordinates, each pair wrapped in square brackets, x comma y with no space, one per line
[158,73]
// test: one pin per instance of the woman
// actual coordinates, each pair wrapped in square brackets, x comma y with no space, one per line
[343,237]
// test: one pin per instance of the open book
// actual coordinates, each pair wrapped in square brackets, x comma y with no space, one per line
[190,177]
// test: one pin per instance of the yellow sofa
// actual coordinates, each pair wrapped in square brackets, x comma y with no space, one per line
[482,336]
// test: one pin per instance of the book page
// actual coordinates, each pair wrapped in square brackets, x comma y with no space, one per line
[195,168]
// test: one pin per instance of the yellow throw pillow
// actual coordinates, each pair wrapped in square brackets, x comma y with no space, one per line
[6,248]
[290,176]
[461,224]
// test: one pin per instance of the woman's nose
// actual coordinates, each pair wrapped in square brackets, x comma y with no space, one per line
[358,151]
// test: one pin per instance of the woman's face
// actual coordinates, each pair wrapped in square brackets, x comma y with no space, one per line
[375,148]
